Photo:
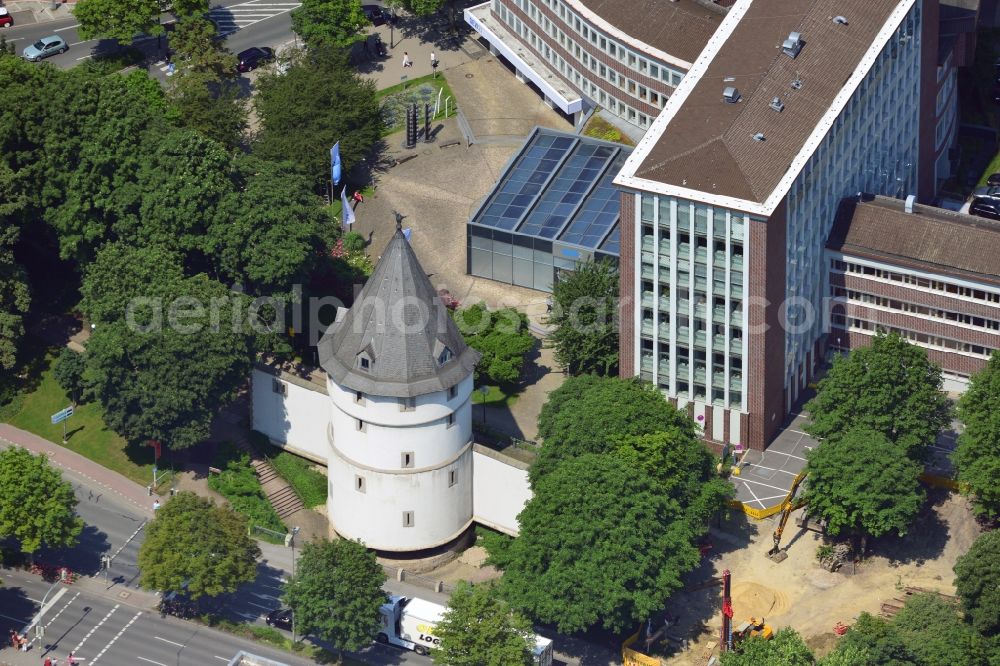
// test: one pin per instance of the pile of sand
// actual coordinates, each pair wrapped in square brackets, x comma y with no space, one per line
[753,600]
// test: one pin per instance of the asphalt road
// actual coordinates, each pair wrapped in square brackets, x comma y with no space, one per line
[244,24]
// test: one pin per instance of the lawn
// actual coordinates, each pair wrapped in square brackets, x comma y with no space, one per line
[599,128]
[423,90]
[87,433]
[497,397]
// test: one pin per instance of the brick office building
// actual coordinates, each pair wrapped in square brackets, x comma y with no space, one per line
[730,198]
[626,56]
[929,274]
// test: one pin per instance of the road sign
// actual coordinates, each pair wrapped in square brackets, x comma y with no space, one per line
[62,415]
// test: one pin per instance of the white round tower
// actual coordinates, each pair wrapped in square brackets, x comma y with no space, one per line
[400,381]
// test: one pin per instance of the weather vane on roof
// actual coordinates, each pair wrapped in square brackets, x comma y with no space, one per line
[399,220]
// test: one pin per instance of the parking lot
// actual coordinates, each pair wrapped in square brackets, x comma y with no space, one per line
[766,476]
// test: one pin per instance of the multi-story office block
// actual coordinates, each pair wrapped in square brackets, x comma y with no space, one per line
[929,274]
[626,57]
[730,197]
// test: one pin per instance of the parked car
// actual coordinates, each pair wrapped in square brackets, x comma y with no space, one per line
[45,47]
[375,14]
[986,192]
[994,179]
[6,20]
[253,58]
[280,618]
[987,209]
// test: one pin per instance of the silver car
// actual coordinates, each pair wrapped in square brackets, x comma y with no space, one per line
[45,47]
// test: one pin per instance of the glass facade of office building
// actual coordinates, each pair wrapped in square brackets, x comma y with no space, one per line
[553,206]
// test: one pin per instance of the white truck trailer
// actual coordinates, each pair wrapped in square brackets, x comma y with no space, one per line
[409,623]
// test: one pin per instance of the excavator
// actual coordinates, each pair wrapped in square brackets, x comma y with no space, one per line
[752,627]
[789,505]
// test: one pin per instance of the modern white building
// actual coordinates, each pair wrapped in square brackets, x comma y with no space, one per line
[393,422]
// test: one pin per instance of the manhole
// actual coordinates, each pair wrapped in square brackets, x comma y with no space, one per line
[469,76]
[124,595]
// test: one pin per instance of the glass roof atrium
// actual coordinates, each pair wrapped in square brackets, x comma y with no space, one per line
[554,205]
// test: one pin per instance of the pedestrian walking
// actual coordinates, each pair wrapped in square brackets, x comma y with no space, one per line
[24,643]
[156,505]
[358,197]
[406,60]
[48,661]
[71,660]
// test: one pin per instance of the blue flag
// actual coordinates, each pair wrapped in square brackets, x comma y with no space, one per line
[347,213]
[406,234]
[335,164]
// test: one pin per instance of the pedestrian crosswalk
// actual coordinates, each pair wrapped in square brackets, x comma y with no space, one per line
[234,17]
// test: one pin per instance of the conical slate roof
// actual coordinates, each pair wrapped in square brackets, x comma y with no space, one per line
[398,339]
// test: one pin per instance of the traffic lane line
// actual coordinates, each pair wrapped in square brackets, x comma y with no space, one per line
[69,27]
[117,636]
[150,661]
[165,640]
[96,627]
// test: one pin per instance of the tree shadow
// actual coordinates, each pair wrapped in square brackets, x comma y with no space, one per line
[925,540]
[18,610]
[84,557]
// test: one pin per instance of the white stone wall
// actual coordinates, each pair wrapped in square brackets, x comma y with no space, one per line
[500,491]
[295,420]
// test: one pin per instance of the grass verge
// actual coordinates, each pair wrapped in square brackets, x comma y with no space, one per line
[86,431]
[239,485]
[497,397]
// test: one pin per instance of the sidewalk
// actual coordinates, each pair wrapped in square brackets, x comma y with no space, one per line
[37,11]
[61,457]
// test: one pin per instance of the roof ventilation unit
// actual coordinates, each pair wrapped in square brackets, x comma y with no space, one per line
[796,84]
[908,205]
[759,136]
[840,20]
[777,104]
[730,95]
[791,46]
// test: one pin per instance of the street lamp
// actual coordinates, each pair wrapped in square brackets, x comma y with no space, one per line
[484,389]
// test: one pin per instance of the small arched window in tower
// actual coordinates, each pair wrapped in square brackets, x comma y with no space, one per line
[451,419]
[359,483]
[406,459]
[407,519]
[444,356]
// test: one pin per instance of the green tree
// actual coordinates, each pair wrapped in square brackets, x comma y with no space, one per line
[977,457]
[600,543]
[976,576]
[587,413]
[68,370]
[876,641]
[165,371]
[890,387]
[418,7]
[786,649]
[121,273]
[122,20]
[15,295]
[481,629]
[336,593]
[37,508]
[933,631]
[585,319]
[502,337]
[328,23]
[194,545]
[863,484]
[320,100]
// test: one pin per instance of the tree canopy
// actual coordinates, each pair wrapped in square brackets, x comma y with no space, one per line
[195,546]
[585,319]
[862,483]
[319,101]
[502,337]
[976,575]
[588,516]
[951,641]
[786,648]
[15,296]
[336,593]
[481,629]
[588,413]
[37,508]
[890,387]
[977,457]
[328,23]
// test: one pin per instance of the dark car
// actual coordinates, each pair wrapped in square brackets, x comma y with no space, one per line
[987,209]
[986,193]
[994,179]
[375,14]
[280,618]
[253,58]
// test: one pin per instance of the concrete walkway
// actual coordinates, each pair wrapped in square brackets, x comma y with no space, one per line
[36,11]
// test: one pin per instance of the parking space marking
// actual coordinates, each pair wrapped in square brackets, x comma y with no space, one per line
[784,471]
[786,454]
[267,608]
[763,484]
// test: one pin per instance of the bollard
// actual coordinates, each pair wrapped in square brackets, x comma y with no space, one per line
[149,490]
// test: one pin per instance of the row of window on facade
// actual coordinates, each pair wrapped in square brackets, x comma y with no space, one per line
[916,309]
[930,284]
[923,339]
[688,212]
[405,404]
[697,390]
[362,426]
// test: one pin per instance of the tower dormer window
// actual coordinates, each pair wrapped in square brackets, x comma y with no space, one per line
[364,362]
[444,356]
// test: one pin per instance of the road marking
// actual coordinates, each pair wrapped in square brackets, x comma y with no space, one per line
[750,490]
[62,609]
[235,17]
[15,619]
[222,658]
[752,466]
[96,627]
[69,27]
[762,484]
[267,608]
[787,454]
[52,602]
[150,661]
[117,636]
[169,641]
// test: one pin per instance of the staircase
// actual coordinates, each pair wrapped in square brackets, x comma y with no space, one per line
[281,495]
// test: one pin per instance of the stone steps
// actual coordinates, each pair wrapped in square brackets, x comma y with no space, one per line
[277,491]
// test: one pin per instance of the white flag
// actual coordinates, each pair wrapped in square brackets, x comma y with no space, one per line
[347,213]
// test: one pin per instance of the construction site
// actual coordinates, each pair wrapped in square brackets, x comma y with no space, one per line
[751,583]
